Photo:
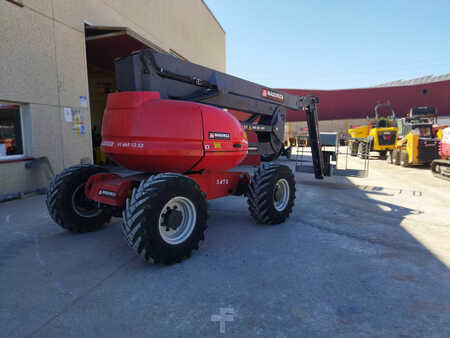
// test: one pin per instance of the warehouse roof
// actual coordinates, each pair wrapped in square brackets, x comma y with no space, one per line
[416,81]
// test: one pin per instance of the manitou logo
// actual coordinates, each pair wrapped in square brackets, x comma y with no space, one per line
[214,135]
[107,193]
[272,95]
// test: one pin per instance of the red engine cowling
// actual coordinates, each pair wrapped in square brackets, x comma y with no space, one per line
[144,133]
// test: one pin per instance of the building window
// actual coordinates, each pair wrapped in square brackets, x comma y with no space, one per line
[11,140]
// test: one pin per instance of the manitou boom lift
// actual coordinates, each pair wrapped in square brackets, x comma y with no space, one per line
[178,79]
[165,124]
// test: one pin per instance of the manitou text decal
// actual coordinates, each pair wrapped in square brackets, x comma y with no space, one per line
[272,95]
[107,144]
[214,135]
[107,193]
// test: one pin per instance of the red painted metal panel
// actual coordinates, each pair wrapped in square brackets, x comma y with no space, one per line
[224,140]
[143,133]
[110,189]
[220,184]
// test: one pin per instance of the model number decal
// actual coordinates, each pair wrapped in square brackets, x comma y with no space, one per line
[222,181]
[130,145]
[270,94]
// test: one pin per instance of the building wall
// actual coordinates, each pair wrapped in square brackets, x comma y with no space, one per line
[340,126]
[43,66]
[340,109]
[359,103]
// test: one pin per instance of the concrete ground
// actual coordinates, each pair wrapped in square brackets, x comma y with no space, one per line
[358,257]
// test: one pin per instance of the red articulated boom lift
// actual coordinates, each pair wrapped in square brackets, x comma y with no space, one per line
[168,123]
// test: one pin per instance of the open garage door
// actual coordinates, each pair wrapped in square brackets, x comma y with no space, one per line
[103,45]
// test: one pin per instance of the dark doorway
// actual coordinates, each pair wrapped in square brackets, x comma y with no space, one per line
[103,45]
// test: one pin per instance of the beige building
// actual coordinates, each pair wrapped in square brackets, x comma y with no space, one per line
[56,69]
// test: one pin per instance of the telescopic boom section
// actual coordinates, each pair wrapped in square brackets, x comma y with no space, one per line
[177,79]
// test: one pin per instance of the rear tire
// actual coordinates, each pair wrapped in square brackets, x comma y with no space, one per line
[67,204]
[404,159]
[396,157]
[165,218]
[353,148]
[435,168]
[271,194]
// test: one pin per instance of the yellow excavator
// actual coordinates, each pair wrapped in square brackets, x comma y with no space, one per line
[379,135]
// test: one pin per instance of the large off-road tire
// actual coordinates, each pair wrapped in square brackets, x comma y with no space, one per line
[353,148]
[383,154]
[165,218]
[404,159]
[362,150]
[271,193]
[396,157]
[67,204]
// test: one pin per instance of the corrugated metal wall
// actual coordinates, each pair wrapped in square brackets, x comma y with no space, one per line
[359,103]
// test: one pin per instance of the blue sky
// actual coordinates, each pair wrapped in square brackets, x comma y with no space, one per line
[334,44]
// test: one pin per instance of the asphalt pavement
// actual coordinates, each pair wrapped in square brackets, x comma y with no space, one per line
[357,258]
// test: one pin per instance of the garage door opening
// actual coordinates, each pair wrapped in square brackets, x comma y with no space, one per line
[103,45]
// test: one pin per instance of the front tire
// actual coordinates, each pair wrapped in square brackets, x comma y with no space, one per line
[67,203]
[165,218]
[271,194]
[362,150]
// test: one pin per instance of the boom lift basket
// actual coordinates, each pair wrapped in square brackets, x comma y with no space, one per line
[335,157]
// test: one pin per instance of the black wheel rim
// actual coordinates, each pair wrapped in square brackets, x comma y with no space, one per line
[82,205]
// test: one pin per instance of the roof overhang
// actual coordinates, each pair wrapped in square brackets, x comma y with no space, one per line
[106,43]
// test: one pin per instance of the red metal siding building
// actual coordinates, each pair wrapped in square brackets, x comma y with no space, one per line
[359,103]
